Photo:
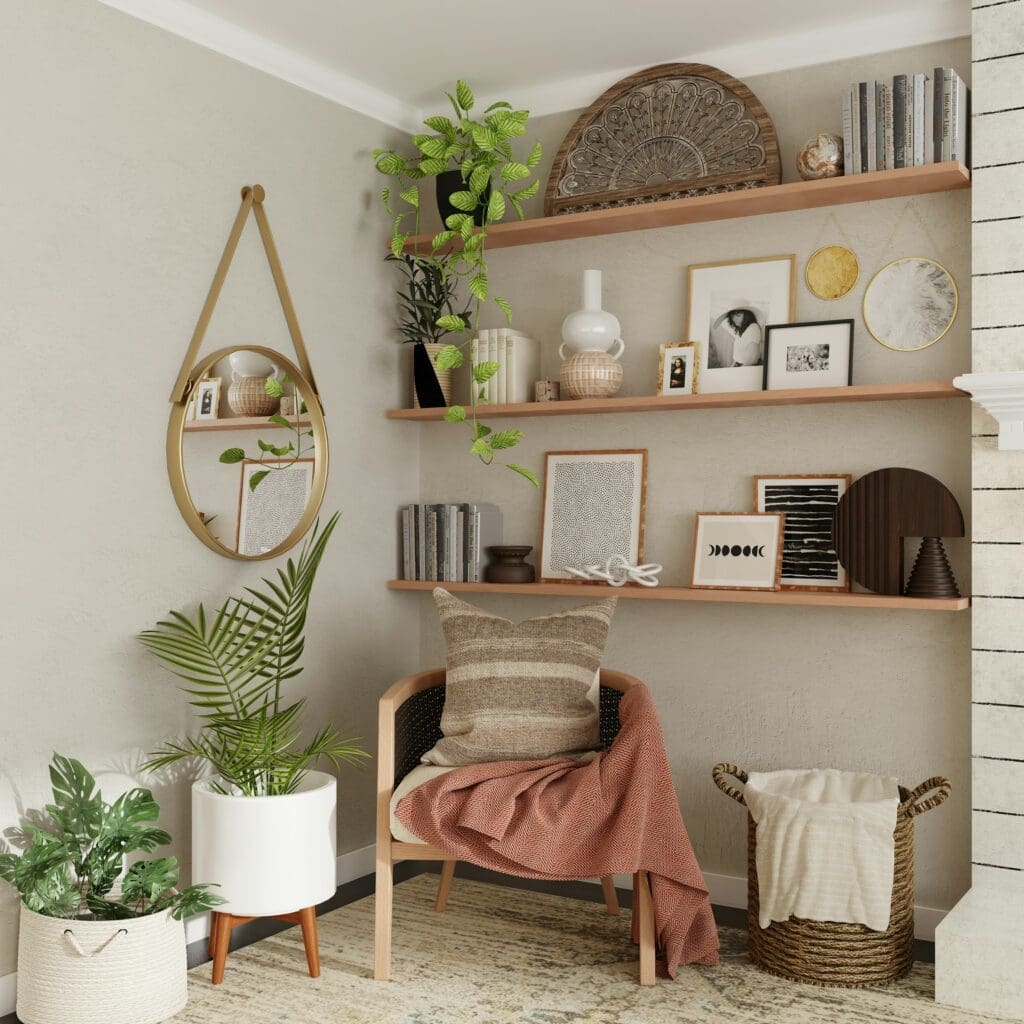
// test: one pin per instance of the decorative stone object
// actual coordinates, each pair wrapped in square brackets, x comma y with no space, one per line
[821,157]
[1002,396]
[508,564]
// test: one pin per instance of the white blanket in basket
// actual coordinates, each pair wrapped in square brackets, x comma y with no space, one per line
[825,845]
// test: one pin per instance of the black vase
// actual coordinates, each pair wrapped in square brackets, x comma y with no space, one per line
[424,378]
[508,564]
[451,181]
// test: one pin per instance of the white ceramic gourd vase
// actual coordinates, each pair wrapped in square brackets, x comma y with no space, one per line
[591,346]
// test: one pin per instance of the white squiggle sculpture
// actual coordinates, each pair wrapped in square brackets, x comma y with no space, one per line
[618,571]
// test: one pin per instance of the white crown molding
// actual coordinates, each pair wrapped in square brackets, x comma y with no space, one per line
[946,19]
[1002,397]
[231,40]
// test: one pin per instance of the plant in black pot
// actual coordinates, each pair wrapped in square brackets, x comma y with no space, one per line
[478,179]
[428,295]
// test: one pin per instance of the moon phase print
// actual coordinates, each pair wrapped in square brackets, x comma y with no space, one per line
[737,550]
[809,562]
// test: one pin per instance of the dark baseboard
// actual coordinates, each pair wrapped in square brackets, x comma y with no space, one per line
[246,934]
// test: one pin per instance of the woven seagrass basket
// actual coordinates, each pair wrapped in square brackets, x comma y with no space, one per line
[830,953]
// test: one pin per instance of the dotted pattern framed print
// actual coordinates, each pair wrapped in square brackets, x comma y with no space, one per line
[594,505]
[268,514]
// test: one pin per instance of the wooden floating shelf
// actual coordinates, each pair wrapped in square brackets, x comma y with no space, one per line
[751,202]
[724,400]
[762,597]
[237,423]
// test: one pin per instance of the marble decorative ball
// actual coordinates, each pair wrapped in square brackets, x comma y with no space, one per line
[821,157]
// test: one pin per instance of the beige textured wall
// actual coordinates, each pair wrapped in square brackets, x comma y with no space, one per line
[126,149]
[763,687]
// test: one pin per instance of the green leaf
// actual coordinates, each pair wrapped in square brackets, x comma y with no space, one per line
[503,305]
[398,244]
[484,138]
[450,322]
[456,220]
[483,372]
[479,179]
[522,471]
[257,478]
[411,195]
[433,165]
[509,125]
[478,287]
[517,206]
[442,238]
[464,95]
[463,200]
[529,192]
[440,124]
[272,386]
[495,207]
[231,455]
[390,163]
[385,198]
[280,421]
[449,358]
[535,154]
[78,805]
[482,448]
[507,438]
[481,431]
[429,145]
[265,446]
[497,106]
[473,245]
[456,414]
[513,171]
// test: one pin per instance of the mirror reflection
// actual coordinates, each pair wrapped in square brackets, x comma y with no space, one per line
[249,451]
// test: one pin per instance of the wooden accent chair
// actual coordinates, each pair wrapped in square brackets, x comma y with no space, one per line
[409,725]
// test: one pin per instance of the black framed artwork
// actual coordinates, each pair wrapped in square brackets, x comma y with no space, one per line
[818,354]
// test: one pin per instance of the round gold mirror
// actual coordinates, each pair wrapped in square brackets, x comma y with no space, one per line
[247,453]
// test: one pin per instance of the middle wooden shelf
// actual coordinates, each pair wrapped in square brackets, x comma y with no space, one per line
[723,400]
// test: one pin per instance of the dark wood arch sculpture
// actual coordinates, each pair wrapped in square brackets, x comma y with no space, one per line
[876,514]
[672,131]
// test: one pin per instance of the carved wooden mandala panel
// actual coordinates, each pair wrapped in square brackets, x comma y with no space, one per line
[672,131]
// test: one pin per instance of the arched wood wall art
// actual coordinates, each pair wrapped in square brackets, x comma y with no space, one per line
[672,131]
[875,515]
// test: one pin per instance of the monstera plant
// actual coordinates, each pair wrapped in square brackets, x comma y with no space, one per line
[490,181]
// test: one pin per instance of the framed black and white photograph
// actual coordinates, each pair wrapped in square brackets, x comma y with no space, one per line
[737,550]
[268,513]
[678,368]
[728,307]
[808,501]
[809,355]
[207,400]
[593,509]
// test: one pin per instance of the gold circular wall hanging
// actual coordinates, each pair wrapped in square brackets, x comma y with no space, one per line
[910,303]
[831,271]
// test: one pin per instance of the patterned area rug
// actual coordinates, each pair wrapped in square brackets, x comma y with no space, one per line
[503,956]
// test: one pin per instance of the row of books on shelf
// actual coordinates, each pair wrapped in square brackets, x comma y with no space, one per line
[913,120]
[448,543]
[518,359]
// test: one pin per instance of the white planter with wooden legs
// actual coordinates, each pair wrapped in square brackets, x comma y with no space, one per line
[272,856]
[100,972]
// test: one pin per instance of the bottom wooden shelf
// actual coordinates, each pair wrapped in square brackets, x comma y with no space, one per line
[591,591]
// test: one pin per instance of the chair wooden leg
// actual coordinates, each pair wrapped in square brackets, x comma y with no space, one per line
[647,939]
[445,886]
[307,921]
[221,942]
[611,897]
[213,933]
[382,914]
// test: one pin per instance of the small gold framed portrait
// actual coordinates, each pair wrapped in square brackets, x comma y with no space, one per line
[678,367]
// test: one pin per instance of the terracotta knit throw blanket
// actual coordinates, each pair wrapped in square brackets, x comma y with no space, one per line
[559,820]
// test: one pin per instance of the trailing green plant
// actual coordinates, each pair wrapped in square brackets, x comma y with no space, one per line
[235,665]
[71,868]
[286,455]
[493,180]
[428,295]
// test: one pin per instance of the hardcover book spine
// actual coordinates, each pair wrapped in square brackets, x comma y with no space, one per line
[862,112]
[431,515]
[879,127]
[453,543]
[899,120]
[919,81]
[947,109]
[958,117]
[421,542]
[929,121]
[441,518]
[938,76]
[847,132]
[890,158]
[473,517]
[406,543]
[872,128]
[460,546]
[853,158]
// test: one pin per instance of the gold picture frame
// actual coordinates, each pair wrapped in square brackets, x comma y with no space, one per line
[206,404]
[702,300]
[692,348]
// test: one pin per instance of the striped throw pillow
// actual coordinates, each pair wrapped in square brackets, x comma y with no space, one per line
[519,691]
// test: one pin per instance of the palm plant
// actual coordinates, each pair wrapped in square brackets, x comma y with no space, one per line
[235,665]
[70,869]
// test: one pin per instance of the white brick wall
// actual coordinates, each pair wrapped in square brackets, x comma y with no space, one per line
[998,477]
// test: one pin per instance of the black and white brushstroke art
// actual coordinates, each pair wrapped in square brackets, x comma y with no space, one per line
[809,561]
[910,304]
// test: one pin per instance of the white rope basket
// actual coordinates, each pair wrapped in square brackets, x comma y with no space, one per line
[100,972]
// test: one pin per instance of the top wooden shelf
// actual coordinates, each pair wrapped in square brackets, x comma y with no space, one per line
[752,202]
[238,423]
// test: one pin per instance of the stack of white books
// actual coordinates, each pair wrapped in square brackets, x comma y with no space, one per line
[518,359]
[910,121]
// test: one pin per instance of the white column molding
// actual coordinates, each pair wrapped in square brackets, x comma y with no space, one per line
[1002,397]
